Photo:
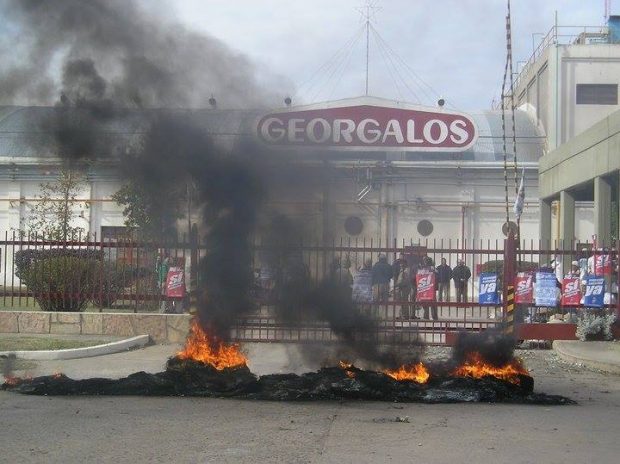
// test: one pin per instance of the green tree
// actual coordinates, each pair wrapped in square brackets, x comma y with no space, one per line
[155,215]
[57,207]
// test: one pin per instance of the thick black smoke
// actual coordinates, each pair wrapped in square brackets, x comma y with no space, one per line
[495,347]
[102,62]
[140,60]
[176,152]
[301,300]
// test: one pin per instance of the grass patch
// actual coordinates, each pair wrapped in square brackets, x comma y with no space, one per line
[44,343]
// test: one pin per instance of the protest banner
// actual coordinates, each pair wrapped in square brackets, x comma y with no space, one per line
[524,288]
[595,292]
[487,289]
[362,286]
[425,284]
[571,291]
[602,265]
[175,283]
[546,289]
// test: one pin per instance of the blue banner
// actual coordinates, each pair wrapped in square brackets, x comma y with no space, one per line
[362,287]
[546,289]
[487,289]
[595,292]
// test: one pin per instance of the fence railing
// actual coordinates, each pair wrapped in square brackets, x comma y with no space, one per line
[127,274]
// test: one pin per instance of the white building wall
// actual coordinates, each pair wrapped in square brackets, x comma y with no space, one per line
[586,64]
[549,86]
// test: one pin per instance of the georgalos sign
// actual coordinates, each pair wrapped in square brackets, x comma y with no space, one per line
[367,125]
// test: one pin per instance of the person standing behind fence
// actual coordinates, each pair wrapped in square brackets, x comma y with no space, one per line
[444,276]
[381,276]
[402,289]
[461,275]
[341,275]
[162,266]
[396,265]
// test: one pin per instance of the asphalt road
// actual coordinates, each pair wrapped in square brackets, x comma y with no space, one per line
[189,430]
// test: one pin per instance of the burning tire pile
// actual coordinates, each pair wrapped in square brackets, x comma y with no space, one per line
[210,368]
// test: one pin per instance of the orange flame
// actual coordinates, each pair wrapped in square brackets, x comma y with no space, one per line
[411,372]
[12,381]
[346,366]
[475,366]
[207,349]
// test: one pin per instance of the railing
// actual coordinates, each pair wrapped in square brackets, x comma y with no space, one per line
[559,35]
[131,275]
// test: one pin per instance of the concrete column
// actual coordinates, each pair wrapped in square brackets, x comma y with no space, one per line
[618,212]
[545,223]
[602,210]
[325,199]
[567,219]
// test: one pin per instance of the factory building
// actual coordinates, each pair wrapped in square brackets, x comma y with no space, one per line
[388,170]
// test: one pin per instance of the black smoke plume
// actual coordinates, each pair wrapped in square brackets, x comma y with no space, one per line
[116,61]
[141,60]
[101,64]
[496,348]
[301,300]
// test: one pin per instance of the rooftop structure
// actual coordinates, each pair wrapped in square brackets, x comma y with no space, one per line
[570,81]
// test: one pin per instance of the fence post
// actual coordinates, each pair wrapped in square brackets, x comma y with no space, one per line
[510,254]
[193,270]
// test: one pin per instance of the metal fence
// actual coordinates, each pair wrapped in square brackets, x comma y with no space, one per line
[129,275]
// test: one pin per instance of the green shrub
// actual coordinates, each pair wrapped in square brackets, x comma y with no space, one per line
[25,258]
[61,283]
[591,326]
[110,280]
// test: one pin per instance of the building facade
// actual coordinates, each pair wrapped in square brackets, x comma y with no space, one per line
[389,193]
[569,87]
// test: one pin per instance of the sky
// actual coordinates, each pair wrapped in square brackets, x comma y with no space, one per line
[454,47]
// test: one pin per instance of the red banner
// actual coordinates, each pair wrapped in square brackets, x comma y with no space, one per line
[175,283]
[524,287]
[425,283]
[571,291]
[365,123]
[602,265]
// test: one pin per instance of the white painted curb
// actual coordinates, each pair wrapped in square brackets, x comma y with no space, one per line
[586,361]
[86,352]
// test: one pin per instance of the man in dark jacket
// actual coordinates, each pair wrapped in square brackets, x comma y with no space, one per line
[444,275]
[397,265]
[461,275]
[381,276]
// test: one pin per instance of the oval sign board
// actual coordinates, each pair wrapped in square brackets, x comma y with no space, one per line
[365,125]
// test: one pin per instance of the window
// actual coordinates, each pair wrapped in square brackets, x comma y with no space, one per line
[353,225]
[597,94]
[425,227]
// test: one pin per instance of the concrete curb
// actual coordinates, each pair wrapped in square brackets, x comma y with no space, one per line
[563,352]
[86,352]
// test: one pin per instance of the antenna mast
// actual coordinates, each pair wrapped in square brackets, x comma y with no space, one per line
[367,41]
[607,9]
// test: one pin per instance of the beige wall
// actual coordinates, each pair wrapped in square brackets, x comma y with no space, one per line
[162,328]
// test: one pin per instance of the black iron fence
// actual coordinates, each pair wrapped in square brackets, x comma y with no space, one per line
[127,274]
